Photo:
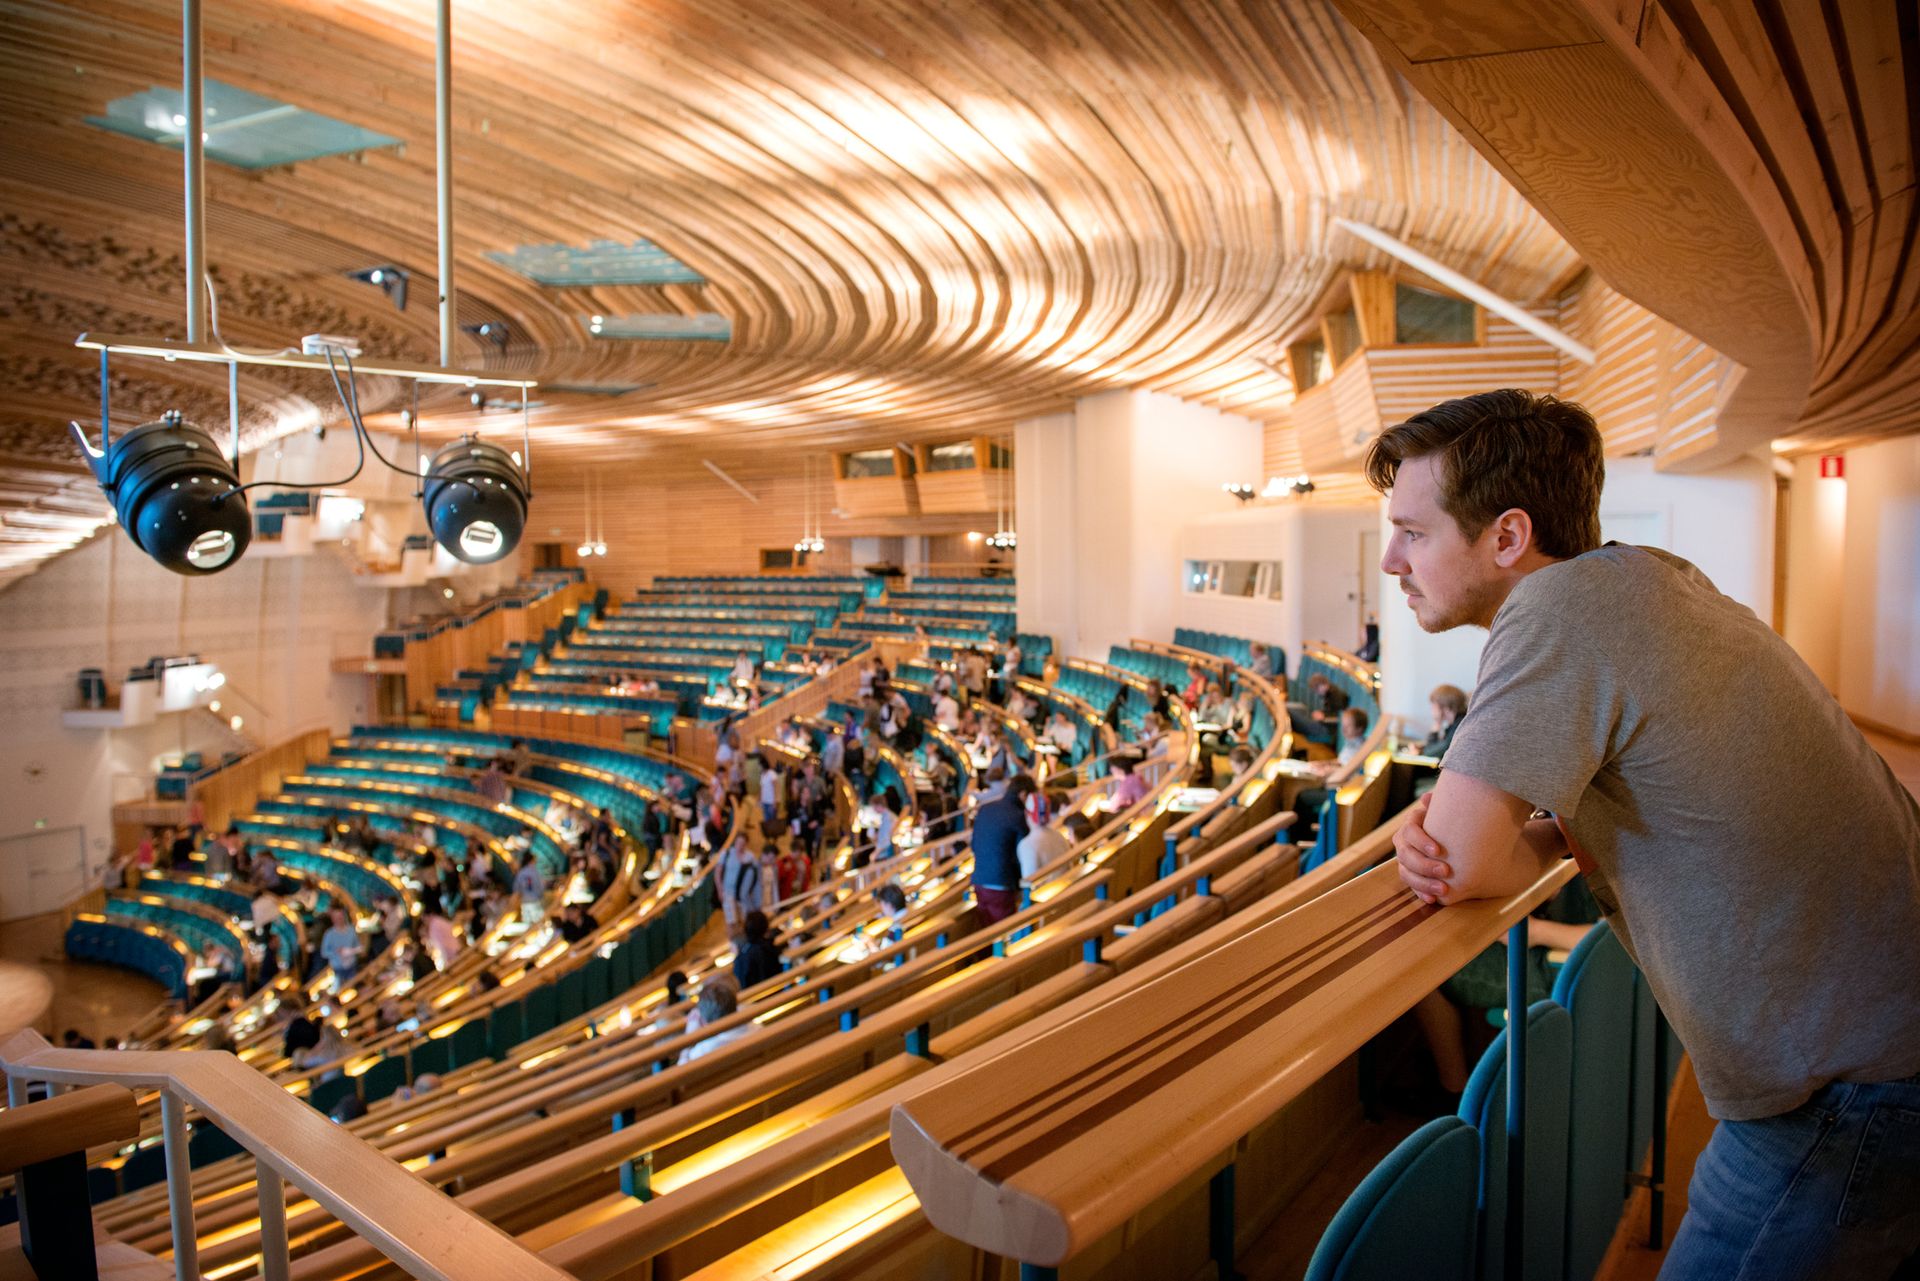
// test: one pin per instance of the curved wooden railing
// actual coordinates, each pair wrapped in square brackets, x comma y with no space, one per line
[1037,1152]
[407,1220]
[1352,664]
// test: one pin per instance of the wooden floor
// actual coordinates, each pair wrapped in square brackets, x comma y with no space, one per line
[99,1000]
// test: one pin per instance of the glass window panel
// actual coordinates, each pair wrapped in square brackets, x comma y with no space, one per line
[869,462]
[1310,360]
[1420,315]
[950,457]
[1237,577]
[1195,577]
[1273,580]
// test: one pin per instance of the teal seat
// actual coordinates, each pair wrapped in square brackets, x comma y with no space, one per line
[1596,986]
[383,1078]
[1413,1216]
[1549,1052]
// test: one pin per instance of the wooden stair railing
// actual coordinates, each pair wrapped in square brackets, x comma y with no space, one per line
[407,1219]
[1045,1149]
[44,1146]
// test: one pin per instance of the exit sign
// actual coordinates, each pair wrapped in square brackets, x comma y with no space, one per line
[1833,467]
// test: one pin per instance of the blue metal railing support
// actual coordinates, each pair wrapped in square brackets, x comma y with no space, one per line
[1516,1097]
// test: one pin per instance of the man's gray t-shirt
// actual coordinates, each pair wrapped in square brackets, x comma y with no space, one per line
[1754,853]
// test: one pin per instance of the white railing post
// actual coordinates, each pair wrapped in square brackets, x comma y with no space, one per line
[16,1092]
[273,1222]
[186,1243]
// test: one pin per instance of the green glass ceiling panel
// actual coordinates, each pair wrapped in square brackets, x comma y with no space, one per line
[604,262]
[705,326]
[243,129]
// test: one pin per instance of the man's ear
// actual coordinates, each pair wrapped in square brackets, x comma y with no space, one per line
[1512,537]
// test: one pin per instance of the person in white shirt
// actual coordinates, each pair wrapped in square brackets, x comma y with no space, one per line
[1042,844]
[1062,733]
[266,910]
[531,885]
[742,668]
[718,999]
[439,937]
[946,712]
[771,779]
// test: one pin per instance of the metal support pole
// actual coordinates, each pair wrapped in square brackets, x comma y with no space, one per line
[1221,1232]
[233,407]
[186,1243]
[443,167]
[273,1221]
[1516,1097]
[1657,1184]
[194,146]
[636,1176]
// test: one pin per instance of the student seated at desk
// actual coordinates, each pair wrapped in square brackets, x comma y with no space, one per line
[1449,704]
[1308,803]
[718,999]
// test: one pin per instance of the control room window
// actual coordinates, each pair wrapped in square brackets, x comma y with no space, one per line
[1422,316]
[866,463]
[957,457]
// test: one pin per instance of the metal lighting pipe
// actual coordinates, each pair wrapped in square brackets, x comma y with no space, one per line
[193,144]
[443,166]
[1472,289]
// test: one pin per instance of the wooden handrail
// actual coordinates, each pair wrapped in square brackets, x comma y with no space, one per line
[1353,664]
[1043,1150]
[70,1122]
[407,1220]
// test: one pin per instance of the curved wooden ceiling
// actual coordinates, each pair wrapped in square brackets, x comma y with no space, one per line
[916,217]
[1745,170]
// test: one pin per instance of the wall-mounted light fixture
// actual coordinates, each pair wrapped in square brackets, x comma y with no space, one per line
[391,280]
[1244,492]
[493,331]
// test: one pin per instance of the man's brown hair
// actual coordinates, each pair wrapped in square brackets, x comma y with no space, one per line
[1502,450]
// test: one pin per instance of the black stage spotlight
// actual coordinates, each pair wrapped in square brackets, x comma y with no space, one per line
[175,494]
[475,494]
[392,281]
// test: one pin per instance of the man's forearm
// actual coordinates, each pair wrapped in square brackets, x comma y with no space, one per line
[1538,847]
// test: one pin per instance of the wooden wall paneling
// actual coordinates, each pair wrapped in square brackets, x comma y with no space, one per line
[878,496]
[1373,306]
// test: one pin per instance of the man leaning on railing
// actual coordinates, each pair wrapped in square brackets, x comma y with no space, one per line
[1611,723]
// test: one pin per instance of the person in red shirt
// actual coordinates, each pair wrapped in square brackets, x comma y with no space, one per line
[794,871]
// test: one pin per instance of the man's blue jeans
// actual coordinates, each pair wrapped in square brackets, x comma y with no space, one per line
[1830,1189]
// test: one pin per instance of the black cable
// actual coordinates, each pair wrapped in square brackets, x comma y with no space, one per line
[359,440]
[353,389]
